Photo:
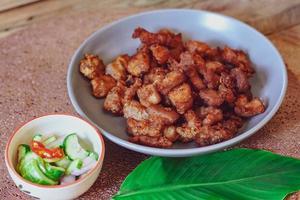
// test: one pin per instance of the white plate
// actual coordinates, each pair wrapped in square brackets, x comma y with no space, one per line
[269,82]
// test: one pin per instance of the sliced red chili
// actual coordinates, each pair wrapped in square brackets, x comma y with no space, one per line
[44,152]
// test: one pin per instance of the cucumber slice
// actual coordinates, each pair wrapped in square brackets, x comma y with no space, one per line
[49,140]
[64,163]
[22,150]
[30,170]
[53,172]
[57,143]
[75,165]
[37,137]
[93,155]
[73,148]
[52,160]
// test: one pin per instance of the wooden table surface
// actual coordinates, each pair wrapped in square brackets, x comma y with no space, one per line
[37,39]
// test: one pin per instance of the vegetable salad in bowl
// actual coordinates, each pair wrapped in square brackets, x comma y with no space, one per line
[54,161]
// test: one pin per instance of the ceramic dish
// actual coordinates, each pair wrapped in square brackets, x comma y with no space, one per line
[269,82]
[59,125]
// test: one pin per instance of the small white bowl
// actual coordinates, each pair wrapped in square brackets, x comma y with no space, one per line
[59,125]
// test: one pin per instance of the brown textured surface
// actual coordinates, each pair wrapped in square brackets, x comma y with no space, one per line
[33,65]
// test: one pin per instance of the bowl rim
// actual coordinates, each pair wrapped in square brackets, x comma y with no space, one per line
[178,152]
[80,180]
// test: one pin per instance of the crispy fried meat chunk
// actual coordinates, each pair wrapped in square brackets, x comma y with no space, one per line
[113,101]
[181,98]
[190,128]
[163,37]
[170,133]
[212,134]
[164,114]
[117,69]
[212,79]
[160,142]
[227,80]
[215,66]
[211,73]
[143,127]
[155,75]
[139,63]
[160,53]
[194,77]
[196,47]
[233,124]
[248,108]
[133,109]
[171,80]
[242,82]
[239,59]
[148,95]
[211,97]
[102,84]
[228,94]
[130,91]
[91,66]
[190,64]
[210,115]
[187,59]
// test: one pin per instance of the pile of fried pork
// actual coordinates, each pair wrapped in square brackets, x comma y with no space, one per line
[173,91]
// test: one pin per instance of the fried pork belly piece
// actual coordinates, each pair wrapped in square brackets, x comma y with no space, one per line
[210,115]
[189,65]
[194,77]
[227,80]
[148,95]
[227,88]
[133,109]
[155,75]
[211,73]
[175,52]
[164,114]
[211,97]
[113,101]
[215,66]
[171,80]
[117,69]
[212,79]
[228,94]
[170,133]
[248,108]
[196,46]
[181,98]
[160,142]
[131,91]
[187,59]
[143,127]
[91,66]
[163,37]
[241,78]
[190,128]
[139,63]
[212,134]
[102,84]
[233,124]
[239,59]
[160,53]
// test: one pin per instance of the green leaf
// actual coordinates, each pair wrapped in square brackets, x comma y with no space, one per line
[235,174]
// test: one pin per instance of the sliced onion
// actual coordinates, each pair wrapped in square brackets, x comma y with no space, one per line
[86,161]
[67,179]
[84,169]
